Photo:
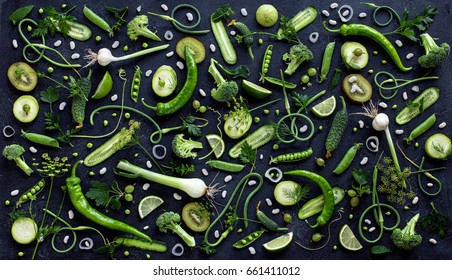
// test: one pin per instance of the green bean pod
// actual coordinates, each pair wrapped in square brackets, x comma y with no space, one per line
[97,20]
[326,61]
[266,61]
[41,139]
[291,157]
[327,191]
[421,128]
[347,159]
[136,82]
[247,240]
[225,166]
[31,193]
[278,82]
[356,29]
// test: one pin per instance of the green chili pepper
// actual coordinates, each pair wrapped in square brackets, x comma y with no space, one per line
[327,191]
[355,29]
[172,106]
[82,205]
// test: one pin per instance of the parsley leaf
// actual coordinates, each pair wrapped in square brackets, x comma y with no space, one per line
[53,22]
[247,154]
[105,196]
[189,123]
[49,95]
[436,221]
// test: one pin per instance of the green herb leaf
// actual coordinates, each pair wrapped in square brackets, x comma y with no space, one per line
[247,154]
[436,221]
[20,14]
[192,128]
[380,250]
[49,95]
[52,23]
[104,195]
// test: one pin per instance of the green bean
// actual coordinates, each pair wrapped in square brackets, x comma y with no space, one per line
[291,157]
[326,62]
[294,133]
[347,159]
[279,82]
[40,139]
[397,83]
[247,240]
[421,128]
[136,82]
[97,20]
[225,166]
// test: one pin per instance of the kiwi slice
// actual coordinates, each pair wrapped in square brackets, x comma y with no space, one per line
[196,47]
[354,55]
[22,76]
[196,216]
[357,88]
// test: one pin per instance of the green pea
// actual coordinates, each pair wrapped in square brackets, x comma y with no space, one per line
[127,115]
[127,211]
[416,144]
[91,173]
[260,41]
[320,127]
[63,6]
[394,106]
[334,247]
[148,256]
[105,122]
[50,70]
[41,11]
[371,71]
[144,45]
[98,38]
[20,254]
[406,207]
[305,79]
[375,52]
[355,129]
[202,109]
[75,154]
[266,111]
[7,202]
[275,146]
[129,189]
[29,28]
[196,104]
[350,216]
[126,253]
[125,48]
[114,115]
[277,112]
[316,237]
[89,145]
[256,119]
[365,228]
[312,72]
[384,62]
[135,155]
[129,198]
[239,230]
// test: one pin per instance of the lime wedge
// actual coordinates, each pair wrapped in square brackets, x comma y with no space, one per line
[216,143]
[279,243]
[104,87]
[325,108]
[348,239]
[255,91]
[148,204]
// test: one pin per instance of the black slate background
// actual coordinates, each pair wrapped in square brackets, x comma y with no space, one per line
[11,178]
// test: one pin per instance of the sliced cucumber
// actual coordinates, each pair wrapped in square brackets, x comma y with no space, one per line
[438,146]
[315,205]
[288,193]
[256,139]
[24,230]
[423,101]
[78,31]
[164,81]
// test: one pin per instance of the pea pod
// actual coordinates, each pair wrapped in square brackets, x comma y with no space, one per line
[266,61]
[31,193]
[97,20]
[136,82]
[247,240]
[292,157]
[356,29]
[40,139]
[327,191]
[225,166]
[326,61]
[347,159]
[421,128]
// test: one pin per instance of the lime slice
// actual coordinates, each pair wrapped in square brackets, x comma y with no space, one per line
[348,239]
[279,243]
[216,143]
[255,91]
[104,87]
[325,108]
[148,204]
[438,146]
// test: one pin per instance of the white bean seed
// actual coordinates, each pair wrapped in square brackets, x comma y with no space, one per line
[332,22]
[354,88]
[170,54]
[15,192]
[409,56]
[70,214]
[146,227]
[361,124]
[115,44]
[72,45]
[149,164]
[383,105]
[75,56]
[415,200]
[164,7]
[399,131]
[202,92]
[252,183]
[415,88]
[433,241]
[346,13]
[139,9]
[372,229]
[177,196]
[224,193]
[399,43]
[57,43]
[442,125]
[325,13]
[429,185]
[217,234]
[15,44]
[252,250]
[275,211]
[261,156]
[103,170]
[148,73]
[146,186]
[304,128]
[189,16]
[33,150]
[367,221]
[114,97]
[364,161]
[213,48]
[362,15]
[62,106]
[352,79]
[66,239]
[227,178]
[244,12]
[205,172]
[334,5]
[180,65]
[405,95]
[268,201]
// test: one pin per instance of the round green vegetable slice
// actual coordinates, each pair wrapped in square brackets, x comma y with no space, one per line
[24,230]
[22,76]
[25,108]
[164,81]
[357,88]
[195,46]
[288,193]
[354,55]
[438,146]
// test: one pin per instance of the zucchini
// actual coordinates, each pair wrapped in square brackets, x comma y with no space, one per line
[315,205]
[256,139]
[24,230]
[426,99]
[300,20]
[224,42]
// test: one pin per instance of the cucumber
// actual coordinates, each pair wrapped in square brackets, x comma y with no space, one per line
[256,139]
[426,99]
[164,81]
[288,193]
[224,42]
[315,205]
[78,31]
[24,230]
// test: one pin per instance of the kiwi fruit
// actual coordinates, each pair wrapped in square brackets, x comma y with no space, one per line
[196,216]
[196,47]
[357,88]
[22,76]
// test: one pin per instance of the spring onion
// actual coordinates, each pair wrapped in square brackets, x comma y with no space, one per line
[105,57]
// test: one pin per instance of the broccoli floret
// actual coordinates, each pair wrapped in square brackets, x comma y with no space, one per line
[171,221]
[138,26]
[434,54]
[225,90]
[407,238]
[14,152]
[183,148]
[296,55]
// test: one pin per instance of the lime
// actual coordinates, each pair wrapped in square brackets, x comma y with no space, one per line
[216,143]
[148,204]
[25,108]
[255,91]
[325,108]
[104,87]
[279,243]
[348,239]
[438,146]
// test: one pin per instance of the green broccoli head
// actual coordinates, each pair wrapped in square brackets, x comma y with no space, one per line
[225,90]
[15,152]
[171,221]
[183,148]
[296,55]
[407,238]
[138,26]
[434,54]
